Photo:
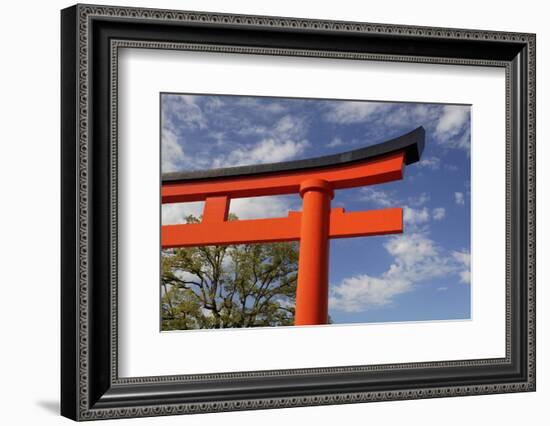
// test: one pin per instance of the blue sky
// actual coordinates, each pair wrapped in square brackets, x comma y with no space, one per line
[422,274]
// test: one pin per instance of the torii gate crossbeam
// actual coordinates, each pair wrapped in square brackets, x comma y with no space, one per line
[315,180]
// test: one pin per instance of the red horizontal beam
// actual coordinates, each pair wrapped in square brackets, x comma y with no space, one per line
[342,225]
[375,171]
[364,224]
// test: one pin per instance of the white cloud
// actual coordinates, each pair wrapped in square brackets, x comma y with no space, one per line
[249,130]
[447,124]
[213,103]
[177,212]
[416,258]
[411,249]
[464,260]
[454,121]
[274,108]
[335,142]
[463,141]
[283,141]
[178,111]
[459,198]
[438,213]
[355,294]
[388,114]
[353,112]
[262,107]
[407,115]
[413,216]
[432,163]
[181,110]
[171,151]
[419,200]
[262,207]
[285,127]
[219,137]
[290,127]
[243,208]
[377,196]
[266,151]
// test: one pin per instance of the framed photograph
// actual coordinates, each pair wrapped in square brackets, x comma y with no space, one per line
[263,212]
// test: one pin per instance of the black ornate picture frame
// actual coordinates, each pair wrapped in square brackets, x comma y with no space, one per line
[90,39]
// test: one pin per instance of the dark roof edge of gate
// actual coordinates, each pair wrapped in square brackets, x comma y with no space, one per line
[411,143]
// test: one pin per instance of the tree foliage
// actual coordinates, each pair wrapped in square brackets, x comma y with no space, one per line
[247,285]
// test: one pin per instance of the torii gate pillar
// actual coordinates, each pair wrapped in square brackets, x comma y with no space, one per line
[312,286]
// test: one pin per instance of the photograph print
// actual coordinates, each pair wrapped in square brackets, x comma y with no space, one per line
[307,212]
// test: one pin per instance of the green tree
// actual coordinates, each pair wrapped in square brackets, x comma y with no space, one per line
[246,285]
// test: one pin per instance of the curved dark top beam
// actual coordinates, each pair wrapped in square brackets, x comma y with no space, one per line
[411,143]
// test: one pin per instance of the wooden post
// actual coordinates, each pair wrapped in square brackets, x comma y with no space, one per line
[312,287]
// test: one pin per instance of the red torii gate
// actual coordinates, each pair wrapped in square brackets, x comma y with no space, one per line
[315,180]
